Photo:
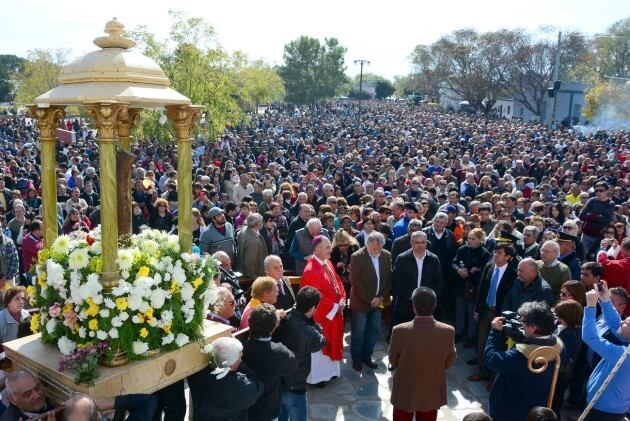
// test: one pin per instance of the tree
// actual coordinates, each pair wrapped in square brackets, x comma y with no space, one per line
[312,71]
[10,66]
[259,83]
[428,73]
[612,50]
[607,104]
[199,68]
[384,89]
[39,74]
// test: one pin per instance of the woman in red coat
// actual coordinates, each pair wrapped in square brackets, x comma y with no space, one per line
[320,274]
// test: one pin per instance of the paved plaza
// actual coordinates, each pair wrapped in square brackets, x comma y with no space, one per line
[365,395]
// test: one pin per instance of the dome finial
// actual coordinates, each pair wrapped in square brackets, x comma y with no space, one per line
[115,30]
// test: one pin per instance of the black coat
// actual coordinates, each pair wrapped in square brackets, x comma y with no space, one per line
[400,245]
[13,413]
[303,337]
[470,258]
[227,399]
[444,248]
[270,361]
[405,280]
[509,276]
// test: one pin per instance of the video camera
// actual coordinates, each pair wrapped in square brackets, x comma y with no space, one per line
[513,328]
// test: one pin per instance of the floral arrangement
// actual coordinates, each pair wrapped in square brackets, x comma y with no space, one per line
[85,362]
[159,304]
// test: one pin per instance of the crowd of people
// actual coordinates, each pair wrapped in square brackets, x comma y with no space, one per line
[430,228]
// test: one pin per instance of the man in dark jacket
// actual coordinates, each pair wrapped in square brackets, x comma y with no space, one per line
[301,335]
[226,391]
[516,389]
[26,396]
[406,277]
[496,281]
[270,360]
[402,244]
[529,287]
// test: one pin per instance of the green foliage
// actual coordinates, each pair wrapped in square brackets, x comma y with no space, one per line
[87,371]
[259,83]
[356,94]
[312,71]
[10,66]
[384,89]
[612,50]
[39,74]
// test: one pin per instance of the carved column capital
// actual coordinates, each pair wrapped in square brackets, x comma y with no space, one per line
[127,119]
[183,118]
[105,116]
[47,119]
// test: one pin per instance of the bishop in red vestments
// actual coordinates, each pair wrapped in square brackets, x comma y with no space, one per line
[320,274]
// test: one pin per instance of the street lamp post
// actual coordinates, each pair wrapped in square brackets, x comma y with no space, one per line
[360,62]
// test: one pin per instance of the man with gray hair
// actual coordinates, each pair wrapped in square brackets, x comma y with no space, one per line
[370,277]
[267,199]
[328,190]
[275,269]
[251,248]
[402,244]
[227,388]
[26,396]
[529,286]
[550,268]
[302,245]
[530,246]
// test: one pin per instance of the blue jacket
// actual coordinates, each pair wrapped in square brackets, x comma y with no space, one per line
[616,397]
[515,389]
[400,227]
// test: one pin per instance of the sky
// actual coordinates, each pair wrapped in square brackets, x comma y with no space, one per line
[383,32]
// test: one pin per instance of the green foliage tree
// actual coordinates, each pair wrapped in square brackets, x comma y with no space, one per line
[199,68]
[608,100]
[10,65]
[39,74]
[259,83]
[312,71]
[612,50]
[384,89]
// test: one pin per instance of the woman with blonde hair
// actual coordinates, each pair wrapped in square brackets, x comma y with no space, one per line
[264,290]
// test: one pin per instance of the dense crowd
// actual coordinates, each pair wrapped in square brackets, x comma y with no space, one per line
[416,218]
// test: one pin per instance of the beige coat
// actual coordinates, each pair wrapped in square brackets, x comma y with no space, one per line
[421,350]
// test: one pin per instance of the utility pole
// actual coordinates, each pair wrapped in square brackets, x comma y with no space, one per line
[361,62]
[556,78]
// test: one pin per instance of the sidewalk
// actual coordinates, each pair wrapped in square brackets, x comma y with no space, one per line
[365,395]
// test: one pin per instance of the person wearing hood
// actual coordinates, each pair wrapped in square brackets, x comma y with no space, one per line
[516,389]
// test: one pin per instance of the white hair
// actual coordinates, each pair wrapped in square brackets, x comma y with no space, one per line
[254,220]
[226,351]
[417,234]
[376,237]
[270,259]
[440,215]
[313,221]
[554,245]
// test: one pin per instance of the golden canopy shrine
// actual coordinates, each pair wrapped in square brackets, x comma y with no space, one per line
[114,84]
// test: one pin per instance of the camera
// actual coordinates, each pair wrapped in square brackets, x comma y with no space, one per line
[512,326]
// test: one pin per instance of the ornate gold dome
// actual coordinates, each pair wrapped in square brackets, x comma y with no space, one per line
[113,73]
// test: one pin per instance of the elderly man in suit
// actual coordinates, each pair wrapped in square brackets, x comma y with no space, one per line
[421,351]
[251,248]
[414,268]
[496,281]
[370,277]
[275,270]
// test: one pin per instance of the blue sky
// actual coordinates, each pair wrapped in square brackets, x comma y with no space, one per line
[383,32]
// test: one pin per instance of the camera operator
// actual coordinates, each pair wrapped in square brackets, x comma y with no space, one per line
[615,400]
[516,390]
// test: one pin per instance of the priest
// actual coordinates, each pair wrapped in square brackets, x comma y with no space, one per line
[320,274]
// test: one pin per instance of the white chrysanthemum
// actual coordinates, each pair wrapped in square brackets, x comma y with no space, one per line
[172,243]
[157,279]
[96,232]
[75,276]
[134,301]
[101,335]
[82,332]
[140,347]
[137,319]
[122,288]
[104,313]
[109,303]
[144,306]
[78,259]
[125,259]
[187,292]
[116,322]
[167,316]
[97,248]
[61,245]
[51,325]
[150,247]
[158,297]
[91,289]
[55,274]
[124,316]
[181,340]
[143,283]
[124,274]
[168,339]
[207,349]
[113,333]
[91,334]
[66,346]
[93,277]
[152,322]
[167,276]
[179,275]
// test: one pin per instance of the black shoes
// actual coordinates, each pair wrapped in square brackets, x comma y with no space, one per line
[356,365]
[371,364]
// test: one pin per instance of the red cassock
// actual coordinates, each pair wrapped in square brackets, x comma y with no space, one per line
[329,285]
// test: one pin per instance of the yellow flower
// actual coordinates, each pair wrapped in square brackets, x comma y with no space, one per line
[30,291]
[42,256]
[175,288]
[121,303]
[144,332]
[35,323]
[68,308]
[197,283]
[93,308]
[140,317]
[149,313]
[96,264]
[167,328]
[93,324]
[143,272]
[41,280]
